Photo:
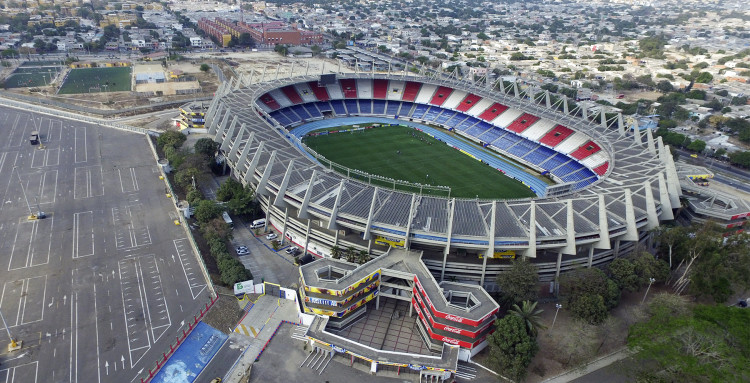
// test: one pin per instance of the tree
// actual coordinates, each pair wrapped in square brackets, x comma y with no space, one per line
[589,307]
[704,78]
[205,67]
[336,252]
[669,236]
[246,40]
[622,272]
[520,283]
[511,347]
[587,291]
[206,146]
[207,210]
[171,138]
[697,146]
[530,315]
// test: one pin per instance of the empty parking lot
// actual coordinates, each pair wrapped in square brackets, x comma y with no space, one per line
[98,289]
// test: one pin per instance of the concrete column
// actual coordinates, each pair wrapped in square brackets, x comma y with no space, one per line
[250,173]
[565,105]
[558,264]
[666,204]
[369,246]
[603,243]
[307,237]
[222,125]
[653,219]
[673,180]
[230,133]
[236,145]
[283,228]
[603,116]
[369,215]
[308,194]
[650,141]
[243,156]
[570,231]
[632,231]
[531,251]
[621,128]
[591,257]
[546,99]
[377,302]
[515,89]
[637,134]
[617,247]
[261,189]
[447,249]
[491,248]
[407,241]
[335,210]
[279,200]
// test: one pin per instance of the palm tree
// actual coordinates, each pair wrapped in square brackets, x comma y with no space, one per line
[530,315]
[363,257]
[336,252]
[351,254]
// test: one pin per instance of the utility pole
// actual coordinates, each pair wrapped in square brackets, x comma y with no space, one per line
[13,345]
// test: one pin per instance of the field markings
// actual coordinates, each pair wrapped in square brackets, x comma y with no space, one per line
[88,182]
[159,319]
[130,229]
[83,234]
[193,275]
[81,149]
[128,184]
[9,375]
[14,300]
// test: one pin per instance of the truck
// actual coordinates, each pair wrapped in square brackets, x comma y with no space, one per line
[34,138]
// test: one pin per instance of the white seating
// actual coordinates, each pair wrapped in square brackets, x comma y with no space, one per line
[572,143]
[479,107]
[538,129]
[280,97]
[505,118]
[364,89]
[425,94]
[334,91]
[305,92]
[594,160]
[395,90]
[454,99]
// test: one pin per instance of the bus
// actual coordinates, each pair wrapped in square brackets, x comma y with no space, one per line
[227,219]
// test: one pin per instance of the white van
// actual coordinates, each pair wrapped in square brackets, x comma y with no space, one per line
[258,223]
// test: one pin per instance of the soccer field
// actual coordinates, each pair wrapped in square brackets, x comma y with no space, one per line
[89,80]
[406,154]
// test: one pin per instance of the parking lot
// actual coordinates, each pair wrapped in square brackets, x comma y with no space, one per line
[98,289]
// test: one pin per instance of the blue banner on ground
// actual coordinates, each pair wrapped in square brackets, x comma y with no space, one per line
[192,356]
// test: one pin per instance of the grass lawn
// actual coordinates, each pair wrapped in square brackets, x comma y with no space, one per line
[88,80]
[376,150]
[25,80]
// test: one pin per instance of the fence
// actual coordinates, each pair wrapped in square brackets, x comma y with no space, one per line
[180,338]
[257,358]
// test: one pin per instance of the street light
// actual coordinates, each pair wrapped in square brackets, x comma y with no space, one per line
[650,281]
[558,307]
[13,345]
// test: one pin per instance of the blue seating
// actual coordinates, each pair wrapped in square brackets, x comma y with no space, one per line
[280,118]
[365,106]
[454,121]
[445,116]
[324,106]
[419,111]
[301,111]
[405,108]
[522,148]
[378,107]
[541,154]
[467,123]
[432,113]
[567,168]
[478,129]
[351,106]
[289,113]
[491,135]
[338,107]
[506,141]
[557,160]
[392,108]
[312,110]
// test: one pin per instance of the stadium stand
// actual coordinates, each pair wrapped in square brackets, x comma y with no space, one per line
[467,123]
[334,91]
[280,118]
[320,92]
[522,147]
[537,130]
[280,98]
[479,108]
[456,120]
[468,102]
[380,88]
[505,141]
[507,117]
[348,88]
[313,110]
[364,89]
[522,123]
[338,107]
[378,106]
[594,160]
[445,116]
[411,89]
[432,113]
[406,108]
[492,112]
[454,99]
[365,106]
[269,101]
[572,143]
[602,169]
[392,107]
[585,150]
[554,161]
[419,111]
[292,94]
[556,136]
[352,106]
[324,106]
[441,94]
[425,94]
[303,89]
[541,154]
[301,111]
[395,90]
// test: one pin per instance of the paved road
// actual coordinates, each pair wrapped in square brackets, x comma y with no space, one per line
[99,289]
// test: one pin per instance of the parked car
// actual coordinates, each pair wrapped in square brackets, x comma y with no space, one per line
[242,250]
[271,236]
[293,250]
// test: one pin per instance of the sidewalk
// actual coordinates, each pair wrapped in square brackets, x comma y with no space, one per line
[261,322]
[590,367]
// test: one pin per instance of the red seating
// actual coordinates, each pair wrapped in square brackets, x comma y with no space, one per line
[269,101]
[585,150]
[602,169]
[380,88]
[468,102]
[441,94]
[292,94]
[349,87]
[410,91]
[320,92]
[522,123]
[492,112]
[556,136]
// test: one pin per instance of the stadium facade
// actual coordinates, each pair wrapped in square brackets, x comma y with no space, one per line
[614,184]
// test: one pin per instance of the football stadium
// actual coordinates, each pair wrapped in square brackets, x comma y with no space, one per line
[441,181]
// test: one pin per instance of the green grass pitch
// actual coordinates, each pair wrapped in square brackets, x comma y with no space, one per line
[86,80]
[376,151]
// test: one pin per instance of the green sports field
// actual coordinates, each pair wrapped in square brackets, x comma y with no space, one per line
[422,159]
[90,80]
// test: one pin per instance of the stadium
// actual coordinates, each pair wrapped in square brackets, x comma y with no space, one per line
[611,184]
[592,189]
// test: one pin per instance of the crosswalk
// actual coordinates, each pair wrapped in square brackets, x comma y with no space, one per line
[299,333]
[465,372]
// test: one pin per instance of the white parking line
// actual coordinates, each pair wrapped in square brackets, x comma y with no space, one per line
[194,277]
